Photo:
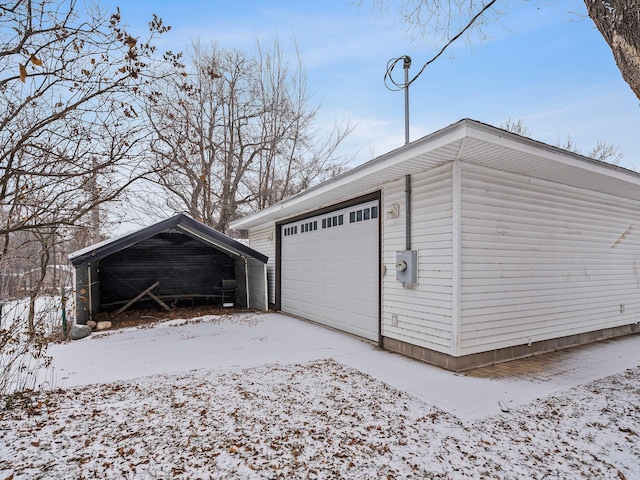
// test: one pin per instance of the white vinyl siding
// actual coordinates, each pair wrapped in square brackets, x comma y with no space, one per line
[542,260]
[424,311]
[262,240]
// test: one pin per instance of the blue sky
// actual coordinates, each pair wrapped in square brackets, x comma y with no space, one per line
[544,62]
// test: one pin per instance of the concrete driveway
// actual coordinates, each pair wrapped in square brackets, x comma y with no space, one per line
[245,340]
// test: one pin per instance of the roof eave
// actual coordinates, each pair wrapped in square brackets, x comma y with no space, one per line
[279,210]
[182,222]
[466,128]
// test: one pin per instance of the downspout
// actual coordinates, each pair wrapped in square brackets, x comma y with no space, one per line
[407,199]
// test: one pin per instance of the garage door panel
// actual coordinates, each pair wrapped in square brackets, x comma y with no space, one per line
[362,256]
[308,287]
[332,290]
[358,294]
[289,285]
[290,268]
[336,266]
[314,266]
[335,316]
[330,274]
[289,305]
[310,309]
[307,299]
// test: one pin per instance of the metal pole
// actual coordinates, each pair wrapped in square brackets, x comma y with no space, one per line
[406,65]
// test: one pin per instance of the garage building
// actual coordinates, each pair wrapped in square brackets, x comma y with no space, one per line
[469,246]
[175,261]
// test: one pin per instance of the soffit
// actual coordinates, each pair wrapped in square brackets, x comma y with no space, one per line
[468,141]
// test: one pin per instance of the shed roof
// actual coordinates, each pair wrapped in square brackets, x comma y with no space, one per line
[468,141]
[181,223]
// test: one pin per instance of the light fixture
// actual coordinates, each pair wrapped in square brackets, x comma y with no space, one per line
[393,211]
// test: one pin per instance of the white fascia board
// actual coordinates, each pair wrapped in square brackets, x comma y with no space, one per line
[307,200]
[207,240]
[295,204]
[512,141]
[96,246]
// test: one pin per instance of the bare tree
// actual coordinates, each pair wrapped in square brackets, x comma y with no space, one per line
[602,151]
[445,21]
[238,134]
[606,152]
[435,22]
[72,81]
[569,144]
[619,23]
[516,126]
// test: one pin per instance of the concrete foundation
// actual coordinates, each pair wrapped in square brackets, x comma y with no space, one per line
[467,362]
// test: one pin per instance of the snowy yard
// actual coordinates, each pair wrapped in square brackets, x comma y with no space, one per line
[240,399]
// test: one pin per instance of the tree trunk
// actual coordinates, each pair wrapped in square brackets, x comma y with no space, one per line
[36,289]
[619,23]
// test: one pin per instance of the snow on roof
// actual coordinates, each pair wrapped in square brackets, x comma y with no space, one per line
[181,222]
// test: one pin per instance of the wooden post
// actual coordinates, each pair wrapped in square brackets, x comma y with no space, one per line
[142,294]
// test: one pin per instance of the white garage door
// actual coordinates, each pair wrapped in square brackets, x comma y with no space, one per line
[329,269]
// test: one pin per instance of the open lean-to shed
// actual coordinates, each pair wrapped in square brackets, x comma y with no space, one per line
[176,260]
[466,247]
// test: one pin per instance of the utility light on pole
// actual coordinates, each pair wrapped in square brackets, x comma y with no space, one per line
[406,66]
[393,85]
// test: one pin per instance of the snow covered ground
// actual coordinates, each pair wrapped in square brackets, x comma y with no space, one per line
[48,308]
[268,396]
[21,361]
